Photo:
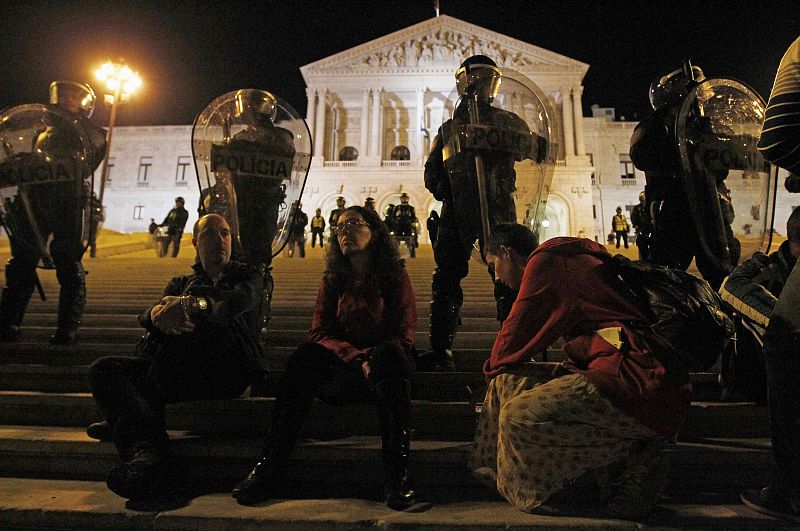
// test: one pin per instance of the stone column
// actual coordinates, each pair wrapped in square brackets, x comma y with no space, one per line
[362,147]
[577,112]
[419,124]
[376,135]
[566,109]
[311,110]
[334,136]
[319,128]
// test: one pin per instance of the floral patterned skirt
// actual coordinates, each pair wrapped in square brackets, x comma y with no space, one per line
[537,433]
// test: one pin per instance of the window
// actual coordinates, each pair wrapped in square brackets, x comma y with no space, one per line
[626,169]
[400,153]
[348,153]
[594,211]
[137,212]
[109,168]
[180,171]
[144,168]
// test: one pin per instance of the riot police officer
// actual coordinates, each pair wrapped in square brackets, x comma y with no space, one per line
[57,209]
[676,235]
[96,218]
[405,224]
[251,166]
[333,217]
[640,219]
[297,232]
[477,78]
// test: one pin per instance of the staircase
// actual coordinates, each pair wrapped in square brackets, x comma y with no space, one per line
[52,474]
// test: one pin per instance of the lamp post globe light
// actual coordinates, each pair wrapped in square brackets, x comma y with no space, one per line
[120,82]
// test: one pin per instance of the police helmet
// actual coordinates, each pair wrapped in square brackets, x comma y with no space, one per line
[341,200]
[642,197]
[671,87]
[478,75]
[59,89]
[256,103]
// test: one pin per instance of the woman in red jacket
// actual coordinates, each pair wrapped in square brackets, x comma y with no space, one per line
[359,349]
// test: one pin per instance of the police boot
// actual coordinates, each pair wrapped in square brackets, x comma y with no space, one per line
[393,402]
[265,308]
[445,318]
[12,309]
[71,302]
[14,301]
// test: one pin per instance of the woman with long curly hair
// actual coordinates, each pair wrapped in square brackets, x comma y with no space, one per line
[359,350]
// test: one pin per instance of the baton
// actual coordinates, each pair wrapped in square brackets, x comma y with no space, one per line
[474,118]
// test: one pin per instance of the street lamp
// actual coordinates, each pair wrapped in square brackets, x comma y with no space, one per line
[121,82]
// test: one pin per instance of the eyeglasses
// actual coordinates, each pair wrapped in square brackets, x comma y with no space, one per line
[349,225]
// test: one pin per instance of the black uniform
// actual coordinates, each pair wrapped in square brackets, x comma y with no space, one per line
[175,223]
[96,217]
[297,234]
[57,209]
[675,239]
[404,226]
[640,219]
[455,236]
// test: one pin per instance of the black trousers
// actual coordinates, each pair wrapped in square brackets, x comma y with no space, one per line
[313,371]
[314,234]
[452,256]
[622,235]
[782,353]
[133,392]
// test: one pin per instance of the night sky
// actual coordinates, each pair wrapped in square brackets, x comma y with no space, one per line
[187,53]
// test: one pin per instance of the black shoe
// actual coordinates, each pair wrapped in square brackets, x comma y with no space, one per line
[99,430]
[436,361]
[768,501]
[148,474]
[10,334]
[64,337]
[398,494]
[263,482]
[643,480]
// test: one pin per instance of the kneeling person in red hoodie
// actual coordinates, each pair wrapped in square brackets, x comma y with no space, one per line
[609,408]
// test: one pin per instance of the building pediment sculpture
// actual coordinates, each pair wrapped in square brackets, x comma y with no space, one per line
[444,47]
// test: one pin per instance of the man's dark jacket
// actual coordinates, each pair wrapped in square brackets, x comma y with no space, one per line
[176,221]
[229,327]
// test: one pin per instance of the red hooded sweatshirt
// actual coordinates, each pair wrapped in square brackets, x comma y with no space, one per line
[566,293]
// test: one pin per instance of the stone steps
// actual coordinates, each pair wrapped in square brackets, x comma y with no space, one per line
[450,420]
[58,471]
[62,504]
[67,453]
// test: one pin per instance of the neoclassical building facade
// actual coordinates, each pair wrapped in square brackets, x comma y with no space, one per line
[373,112]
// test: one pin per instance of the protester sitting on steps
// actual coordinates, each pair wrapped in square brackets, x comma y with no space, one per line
[614,402]
[202,343]
[359,350]
[752,289]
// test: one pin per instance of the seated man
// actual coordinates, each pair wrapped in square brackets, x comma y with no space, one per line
[752,289]
[614,401]
[202,343]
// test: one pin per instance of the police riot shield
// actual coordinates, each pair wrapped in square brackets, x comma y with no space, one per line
[729,187]
[499,150]
[46,177]
[252,152]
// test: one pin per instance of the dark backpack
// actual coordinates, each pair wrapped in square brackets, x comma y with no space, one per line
[685,314]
